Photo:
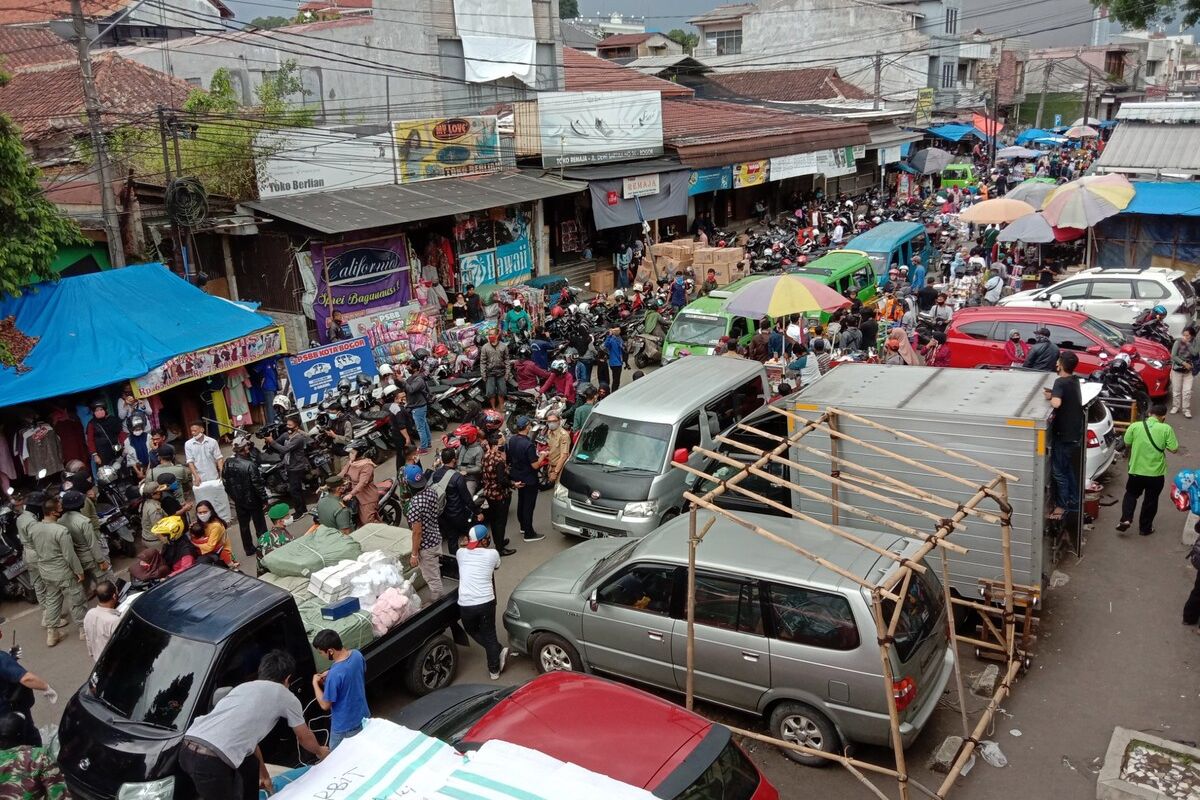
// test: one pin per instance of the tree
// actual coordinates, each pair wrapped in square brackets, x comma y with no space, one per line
[568,9]
[270,22]
[687,40]
[1142,14]
[32,229]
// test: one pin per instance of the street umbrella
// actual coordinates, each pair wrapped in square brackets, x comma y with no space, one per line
[1085,201]
[993,212]
[1088,121]
[1034,229]
[1032,191]
[1017,152]
[782,295]
[931,160]
[1081,132]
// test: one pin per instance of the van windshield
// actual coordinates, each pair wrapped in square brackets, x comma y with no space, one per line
[149,676]
[701,329]
[919,618]
[623,444]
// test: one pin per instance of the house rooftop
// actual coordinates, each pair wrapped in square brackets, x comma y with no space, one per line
[783,85]
[25,12]
[587,73]
[623,40]
[23,47]
[729,12]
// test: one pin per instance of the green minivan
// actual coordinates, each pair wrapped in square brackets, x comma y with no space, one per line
[843,271]
[960,175]
[701,323]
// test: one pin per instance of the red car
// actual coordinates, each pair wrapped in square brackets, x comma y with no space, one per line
[608,728]
[977,335]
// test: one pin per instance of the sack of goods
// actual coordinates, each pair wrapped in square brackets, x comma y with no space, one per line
[393,606]
[355,629]
[396,542]
[322,548]
[334,583]
[380,573]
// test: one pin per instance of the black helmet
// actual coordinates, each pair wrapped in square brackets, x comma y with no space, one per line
[421,354]
[524,352]
[358,444]
[72,500]
[344,384]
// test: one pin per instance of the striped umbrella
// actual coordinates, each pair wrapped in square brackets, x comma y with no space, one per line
[995,211]
[1085,201]
[781,295]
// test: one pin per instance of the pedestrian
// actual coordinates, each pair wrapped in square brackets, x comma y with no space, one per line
[159,502]
[360,474]
[403,426]
[494,366]
[84,537]
[474,305]
[937,352]
[459,511]
[869,327]
[917,276]
[477,565]
[27,769]
[62,574]
[416,388]
[678,292]
[426,531]
[523,465]
[21,506]
[1149,441]
[332,511]
[470,455]
[1015,350]
[105,435]
[1185,356]
[517,323]
[1043,354]
[100,622]
[203,455]
[342,689]
[614,346]
[584,409]
[219,750]
[181,476]
[820,348]
[17,686]
[558,443]
[278,534]
[1066,434]
[210,536]
[243,482]
[497,491]
[760,343]
[293,449]
[337,328]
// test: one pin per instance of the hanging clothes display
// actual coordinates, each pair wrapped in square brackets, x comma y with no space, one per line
[41,450]
[215,385]
[8,467]
[237,381]
[70,434]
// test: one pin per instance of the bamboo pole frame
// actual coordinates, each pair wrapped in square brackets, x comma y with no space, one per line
[894,586]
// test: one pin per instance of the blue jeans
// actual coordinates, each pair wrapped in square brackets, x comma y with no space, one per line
[1062,469]
[336,738]
[421,418]
[269,406]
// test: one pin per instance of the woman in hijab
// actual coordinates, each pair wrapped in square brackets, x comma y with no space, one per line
[1014,349]
[904,347]
[149,566]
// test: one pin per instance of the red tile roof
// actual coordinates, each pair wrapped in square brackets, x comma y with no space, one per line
[623,40]
[786,85]
[326,6]
[587,73]
[47,99]
[21,47]
[19,12]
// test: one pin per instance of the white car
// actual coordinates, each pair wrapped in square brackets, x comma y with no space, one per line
[346,360]
[319,368]
[1101,445]
[1119,295]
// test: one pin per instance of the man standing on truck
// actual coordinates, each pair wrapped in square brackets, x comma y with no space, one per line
[423,511]
[220,749]
[1066,432]
[1148,441]
[477,565]
[341,689]
[331,508]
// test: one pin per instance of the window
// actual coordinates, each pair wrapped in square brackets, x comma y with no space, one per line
[240,663]
[730,777]
[963,73]
[733,407]
[812,618]
[947,76]
[689,433]
[951,20]
[1112,290]
[977,330]
[623,445]
[739,328]
[863,278]
[646,588]
[729,43]
[922,609]
[1114,64]
[1067,339]
[918,244]
[1149,290]
[729,604]
[1151,66]
[1077,290]
[1005,328]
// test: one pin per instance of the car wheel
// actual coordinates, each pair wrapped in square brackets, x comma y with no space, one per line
[553,653]
[802,724]
[432,667]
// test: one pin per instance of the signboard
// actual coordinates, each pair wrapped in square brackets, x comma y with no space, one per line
[708,180]
[498,265]
[750,173]
[860,151]
[640,186]
[923,110]
[445,147]
[1058,120]
[210,361]
[888,155]
[831,163]
[314,372]
[352,278]
[302,160]
[597,127]
[397,331]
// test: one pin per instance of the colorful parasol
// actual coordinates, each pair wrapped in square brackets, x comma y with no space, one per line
[781,295]
[1033,191]
[1085,201]
[1081,132]
[1034,229]
[995,211]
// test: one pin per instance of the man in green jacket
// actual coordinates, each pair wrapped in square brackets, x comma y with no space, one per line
[1149,442]
[25,520]
[85,538]
[61,571]
[331,508]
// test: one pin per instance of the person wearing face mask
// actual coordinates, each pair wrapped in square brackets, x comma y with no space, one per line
[559,442]
[244,484]
[1015,350]
[203,455]
[493,365]
[210,536]
[278,534]
[941,312]
[105,435]
[497,491]
[293,448]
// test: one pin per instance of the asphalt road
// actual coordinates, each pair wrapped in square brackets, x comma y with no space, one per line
[1112,652]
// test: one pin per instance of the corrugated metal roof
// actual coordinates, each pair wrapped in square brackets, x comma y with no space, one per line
[891,138]
[383,206]
[1159,112]
[652,65]
[1149,148]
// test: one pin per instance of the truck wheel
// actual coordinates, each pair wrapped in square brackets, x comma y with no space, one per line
[802,724]
[432,667]
[552,653]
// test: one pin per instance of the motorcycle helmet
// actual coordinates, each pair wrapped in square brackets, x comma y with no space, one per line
[282,403]
[168,528]
[493,420]
[388,391]
[1055,300]
[573,308]
[72,500]
[106,474]
[466,433]
[344,385]
[618,294]
[360,445]
[556,312]
[571,354]
[558,365]
[1160,311]
[802,260]
[524,352]
[421,354]
[239,442]
[385,368]
[440,351]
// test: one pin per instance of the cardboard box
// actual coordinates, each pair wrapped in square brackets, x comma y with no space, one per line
[704,255]
[667,265]
[728,255]
[686,244]
[661,249]
[602,282]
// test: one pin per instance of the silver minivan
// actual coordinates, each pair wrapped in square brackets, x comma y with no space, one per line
[776,634]
[618,480]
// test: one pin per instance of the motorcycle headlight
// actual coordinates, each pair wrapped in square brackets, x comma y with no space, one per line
[560,491]
[512,610]
[153,790]
[1154,362]
[645,508]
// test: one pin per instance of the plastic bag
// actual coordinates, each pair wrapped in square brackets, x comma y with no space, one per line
[992,754]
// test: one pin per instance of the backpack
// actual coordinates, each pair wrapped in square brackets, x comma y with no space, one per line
[439,490]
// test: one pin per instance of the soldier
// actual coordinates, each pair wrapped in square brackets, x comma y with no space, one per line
[181,475]
[25,519]
[61,571]
[85,538]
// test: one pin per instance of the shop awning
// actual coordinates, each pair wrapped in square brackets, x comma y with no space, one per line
[891,138]
[623,169]
[89,331]
[955,132]
[383,206]
[1143,147]
[1165,199]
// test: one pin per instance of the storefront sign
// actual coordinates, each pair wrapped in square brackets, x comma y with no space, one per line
[750,173]
[597,127]
[303,160]
[640,186]
[708,180]
[445,147]
[860,151]
[314,372]
[829,163]
[504,264]
[210,361]
[612,198]
[889,155]
[923,110]
[352,278]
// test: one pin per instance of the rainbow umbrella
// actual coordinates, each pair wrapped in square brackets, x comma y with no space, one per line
[1086,201]
[782,295]
[995,211]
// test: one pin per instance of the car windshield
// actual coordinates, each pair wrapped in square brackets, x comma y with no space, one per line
[701,329]
[452,724]
[1103,331]
[150,676]
[623,445]
[878,262]
[922,609]
[730,777]
[611,560]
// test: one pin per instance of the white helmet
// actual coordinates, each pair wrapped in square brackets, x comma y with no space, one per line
[849,204]
[385,369]
[573,308]
[618,293]
[390,390]
[282,403]
[1055,300]
[558,365]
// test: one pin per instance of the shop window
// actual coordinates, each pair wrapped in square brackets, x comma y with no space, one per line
[729,43]
[947,76]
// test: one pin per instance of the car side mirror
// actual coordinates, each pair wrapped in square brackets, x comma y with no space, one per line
[680,456]
[1095,350]
[593,602]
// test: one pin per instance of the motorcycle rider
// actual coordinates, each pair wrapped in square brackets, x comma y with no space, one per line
[941,313]
[243,483]
[528,374]
[332,511]
[180,475]
[470,455]
[105,436]
[60,569]
[652,323]
[493,365]
[85,538]
[159,502]
[559,381]
[295,460]
[340,431]
[517,323]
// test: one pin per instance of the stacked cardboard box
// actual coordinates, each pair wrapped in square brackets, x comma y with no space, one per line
[704,255]
[602,282]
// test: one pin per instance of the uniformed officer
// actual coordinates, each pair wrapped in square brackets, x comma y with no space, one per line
[85,537]
[25,519]
[61,571]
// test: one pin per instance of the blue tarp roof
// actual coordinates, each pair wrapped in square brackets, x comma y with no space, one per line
[95,330]
[956,133]
[1165,199]
[1032,134]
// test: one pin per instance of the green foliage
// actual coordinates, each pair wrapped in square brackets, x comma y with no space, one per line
[217,133]
[1142,14]
[568,9]
[31,227]
[270,22]
[687,40]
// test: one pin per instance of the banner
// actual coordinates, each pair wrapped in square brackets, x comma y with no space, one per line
[397,331]
[750,173]
[830,163]
[302,160]
[314,372]
[442,148]
[640,186]
[210,361]
[596,127]
[504,262]
[708,180]
[353,278]
[923,110]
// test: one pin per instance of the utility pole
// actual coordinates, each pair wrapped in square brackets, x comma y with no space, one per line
[108,203]
[1087,100]
[878,80]
[996,106]
[1037,122]
[176,241]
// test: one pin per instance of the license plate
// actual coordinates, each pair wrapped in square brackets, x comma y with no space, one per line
[591,533]
[14,569]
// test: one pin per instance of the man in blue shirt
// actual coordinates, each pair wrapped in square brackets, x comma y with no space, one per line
[341,689]
[678,291]
[17,686]
[917,275]
[615,347]
[523,465]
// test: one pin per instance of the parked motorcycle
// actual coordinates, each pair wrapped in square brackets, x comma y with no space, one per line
[119,507]
[15,580]
[1149,326]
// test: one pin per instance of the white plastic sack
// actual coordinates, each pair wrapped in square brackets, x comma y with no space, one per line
[214,492]
[334,583]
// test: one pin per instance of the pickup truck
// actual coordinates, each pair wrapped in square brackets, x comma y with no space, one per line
[204,630]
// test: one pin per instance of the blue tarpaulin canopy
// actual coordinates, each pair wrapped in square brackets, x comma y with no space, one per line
[1165,199]
[956,132]
[94,330]
[1032,135]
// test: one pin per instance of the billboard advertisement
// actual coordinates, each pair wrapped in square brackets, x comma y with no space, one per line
[355,277]
[211,361]
[596,127]
[446,147]
[830,163]
[301,160]
[750,173]
[314,372]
